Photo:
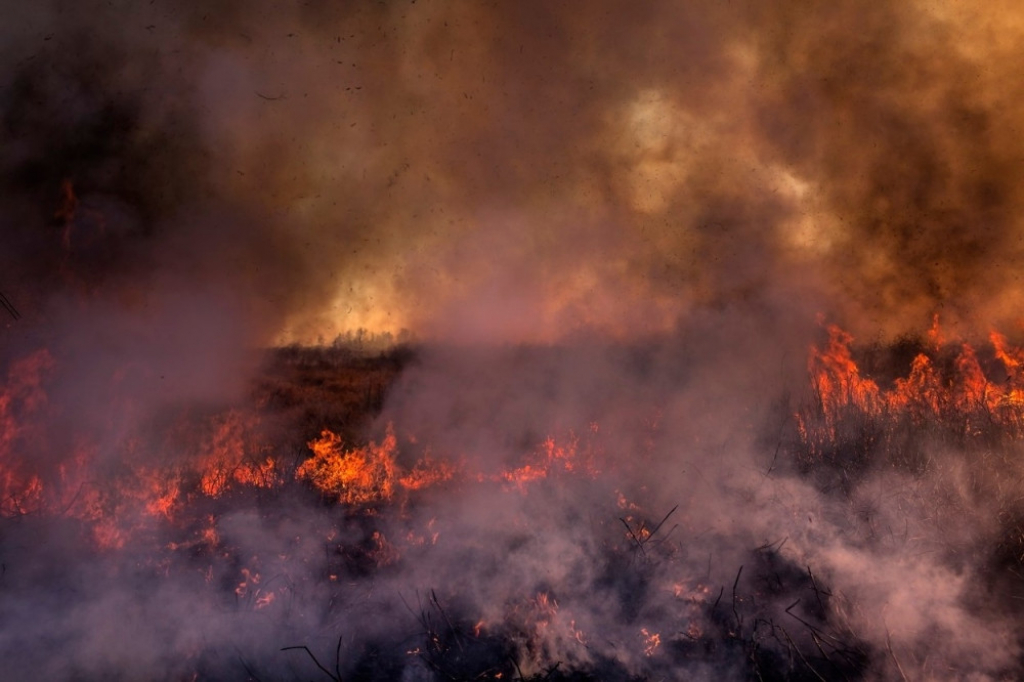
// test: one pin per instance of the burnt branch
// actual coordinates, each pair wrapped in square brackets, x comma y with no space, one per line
[336,678]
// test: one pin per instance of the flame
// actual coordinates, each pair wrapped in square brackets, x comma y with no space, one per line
[372,474]
[230,456]
[837,379]
[652,640]
[356,476]
[66,213]
[71,214]
[36,477]
[248,577]
[552,457]
[427,472]
[577,634]
[544,610]
[249,591]
[22,401]
[219,453]
[936,339]
[945,387]
[123,491]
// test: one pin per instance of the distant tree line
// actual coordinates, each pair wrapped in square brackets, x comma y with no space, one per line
[364,340]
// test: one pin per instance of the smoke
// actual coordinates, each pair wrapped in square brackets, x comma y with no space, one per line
[416,164]
[609,223]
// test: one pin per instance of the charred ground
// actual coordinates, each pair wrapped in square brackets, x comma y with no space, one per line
[296,582]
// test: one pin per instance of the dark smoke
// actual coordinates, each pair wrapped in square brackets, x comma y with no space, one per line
[589,213]
[383,164]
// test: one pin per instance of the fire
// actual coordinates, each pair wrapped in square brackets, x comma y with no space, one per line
[66,212]
[218,456]
[221,452]
[652,640]
[553,456]
[217,453]
[72,216]
[426,473]
[837,380]
[21,496]
[251,593]
[355,476]
[231,456]
[22,402]
[175,485]
[372,473]
[162,491]
[945,389]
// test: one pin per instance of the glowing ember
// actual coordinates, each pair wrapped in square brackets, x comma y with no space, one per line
[22,404]
[652,640]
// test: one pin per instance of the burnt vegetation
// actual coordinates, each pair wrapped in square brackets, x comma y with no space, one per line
[915,408]
[336,387]
[773,620]
[179,181]
[906,407]
[945,416]
[754,614]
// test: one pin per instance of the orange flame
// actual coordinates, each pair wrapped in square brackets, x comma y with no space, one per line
[355,476]
[836,377]
[22,400]
[229,455]
[213,455]
[652,640]
[66,213]
[941,389]
[551,457]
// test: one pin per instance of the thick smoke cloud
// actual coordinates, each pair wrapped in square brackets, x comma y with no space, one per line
[422,164]
[672,192]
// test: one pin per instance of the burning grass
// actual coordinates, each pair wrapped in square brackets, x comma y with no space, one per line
[382,559]
[948,397]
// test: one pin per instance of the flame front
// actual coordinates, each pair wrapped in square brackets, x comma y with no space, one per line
[945,390]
